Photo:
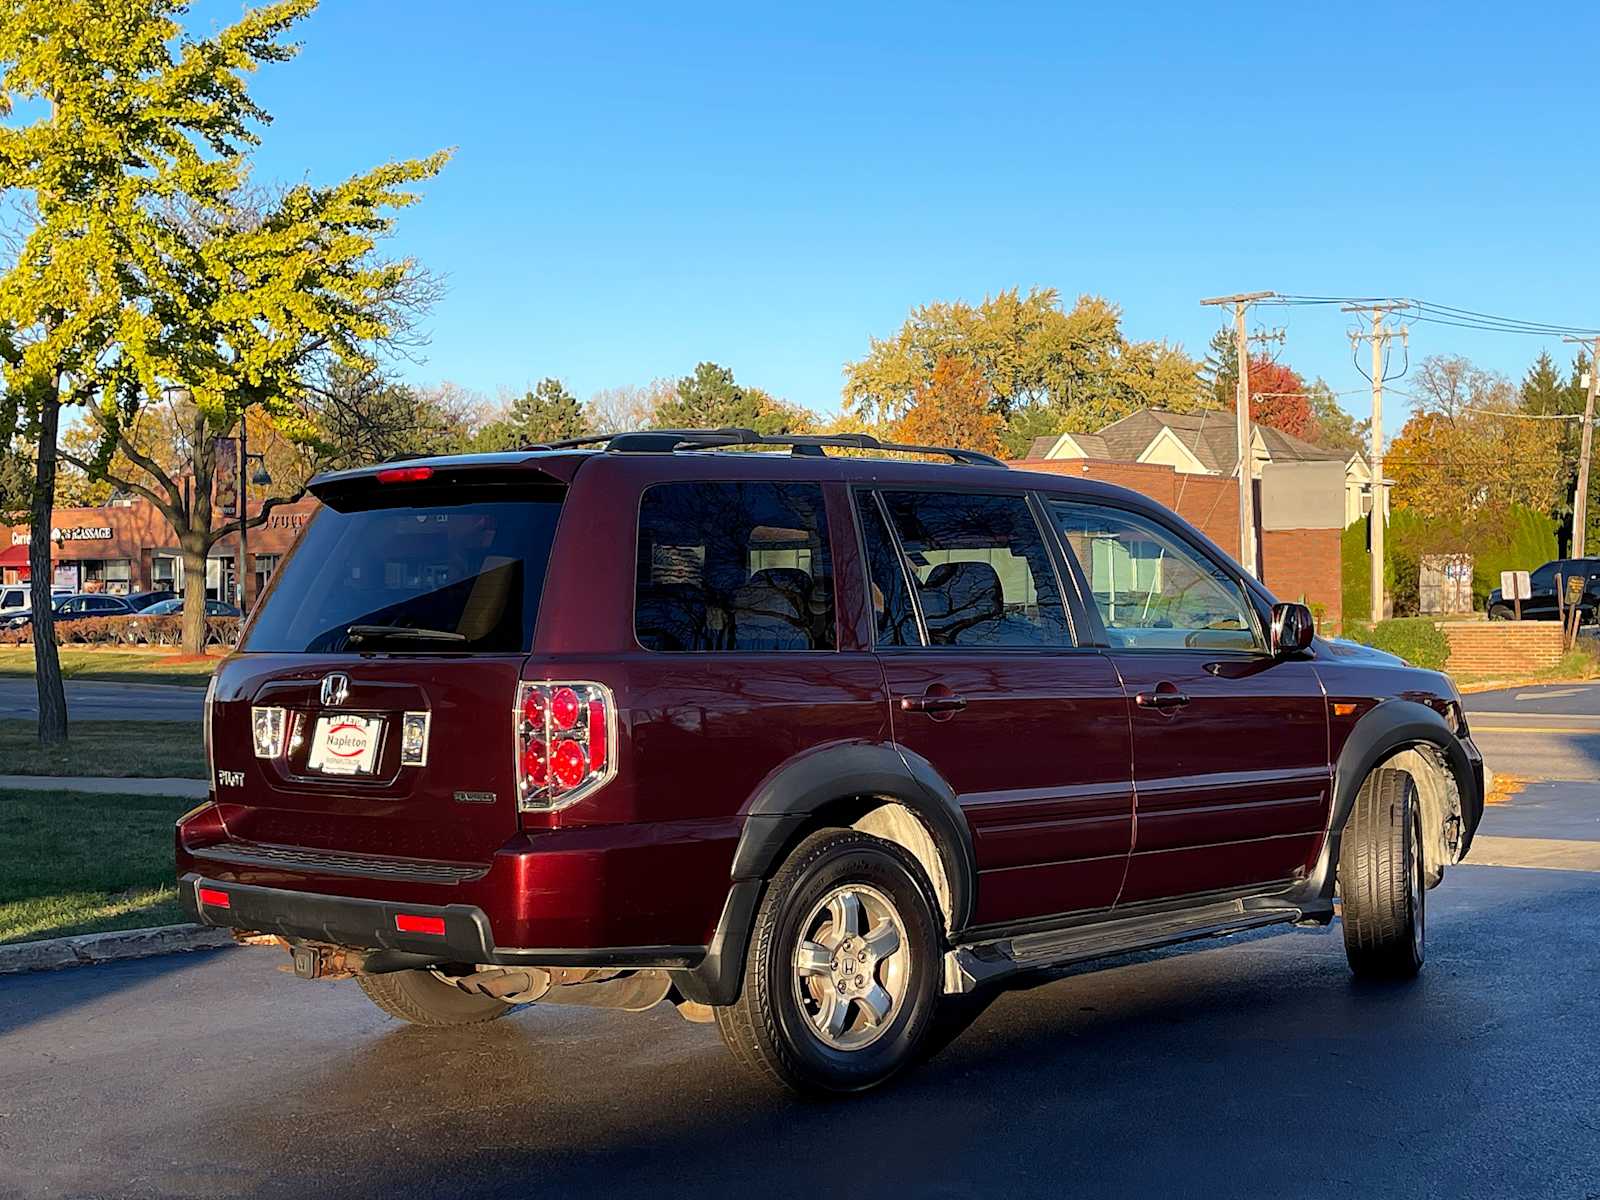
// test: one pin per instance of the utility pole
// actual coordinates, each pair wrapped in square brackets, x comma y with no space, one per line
[1247,497]
[1379,337]
[1580,499]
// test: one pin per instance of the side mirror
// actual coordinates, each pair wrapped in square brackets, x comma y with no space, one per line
[1292,629]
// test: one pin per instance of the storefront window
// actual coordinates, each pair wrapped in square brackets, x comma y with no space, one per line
[164,574]
[266,564]
[118,576]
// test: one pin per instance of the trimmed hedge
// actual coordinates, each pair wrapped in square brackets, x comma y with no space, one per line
[127,631]
[1416,639]
[1518,540]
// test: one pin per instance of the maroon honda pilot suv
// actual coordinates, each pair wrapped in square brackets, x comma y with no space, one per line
[799,741]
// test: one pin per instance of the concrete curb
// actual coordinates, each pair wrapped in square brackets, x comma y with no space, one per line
[87,949]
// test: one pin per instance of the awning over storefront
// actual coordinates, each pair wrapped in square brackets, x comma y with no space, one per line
[14,556]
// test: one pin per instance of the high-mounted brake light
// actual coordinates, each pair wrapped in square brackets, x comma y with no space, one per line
[405,474]
[566,743]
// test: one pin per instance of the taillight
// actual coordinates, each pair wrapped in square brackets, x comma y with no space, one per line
[267,726]
[566,746]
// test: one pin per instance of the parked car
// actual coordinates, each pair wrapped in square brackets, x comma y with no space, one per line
[91,604]
[174,607]
[144,600]
[800,743]
[16,598]
[1541,604]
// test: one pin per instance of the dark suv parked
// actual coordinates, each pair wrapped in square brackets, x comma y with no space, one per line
[1541,604]
[800,742]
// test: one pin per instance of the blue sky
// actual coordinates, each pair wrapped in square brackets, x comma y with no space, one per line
[637,188]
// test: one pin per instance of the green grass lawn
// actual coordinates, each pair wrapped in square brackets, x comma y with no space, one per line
[74,863]
[116,749]
[114,665]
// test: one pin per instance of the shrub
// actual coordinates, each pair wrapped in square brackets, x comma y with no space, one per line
[1416,639]
[128,631]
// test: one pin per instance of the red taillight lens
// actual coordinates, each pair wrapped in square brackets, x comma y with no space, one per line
[215,898]
[410,923]
[599,741]
[564,707]
[565,747]
[405,474]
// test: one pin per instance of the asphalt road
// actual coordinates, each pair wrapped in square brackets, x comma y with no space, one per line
[92,701]
[1253,1067]
[1546,732]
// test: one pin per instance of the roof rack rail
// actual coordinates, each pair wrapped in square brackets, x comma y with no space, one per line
[665,441]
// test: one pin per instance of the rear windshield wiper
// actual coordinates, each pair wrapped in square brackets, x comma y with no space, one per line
[366,633]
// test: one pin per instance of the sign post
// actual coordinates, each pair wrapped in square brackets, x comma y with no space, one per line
[1514,586]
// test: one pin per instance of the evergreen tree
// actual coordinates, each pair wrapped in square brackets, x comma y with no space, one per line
[549,413]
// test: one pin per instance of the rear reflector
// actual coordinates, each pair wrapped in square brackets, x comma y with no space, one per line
[407,923]
[215,897]
[405,474]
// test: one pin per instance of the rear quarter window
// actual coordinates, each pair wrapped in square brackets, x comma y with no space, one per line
[726,566]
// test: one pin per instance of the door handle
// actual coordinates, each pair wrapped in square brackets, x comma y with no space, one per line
[933,702]
[1161,700]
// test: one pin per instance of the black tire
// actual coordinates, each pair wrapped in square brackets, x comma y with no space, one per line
[1381,879]
[1499,612]
[423,999]
[769,1029]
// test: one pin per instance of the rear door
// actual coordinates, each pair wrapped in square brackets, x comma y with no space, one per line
[370,708]
[1230,746]
[986,684]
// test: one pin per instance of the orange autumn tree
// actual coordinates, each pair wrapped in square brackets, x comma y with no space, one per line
[1279,398]
[952,407]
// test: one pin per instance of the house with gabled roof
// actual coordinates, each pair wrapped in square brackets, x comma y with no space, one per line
[1203,443]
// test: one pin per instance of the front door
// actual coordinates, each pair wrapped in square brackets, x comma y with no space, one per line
[1230,746]
[986,684]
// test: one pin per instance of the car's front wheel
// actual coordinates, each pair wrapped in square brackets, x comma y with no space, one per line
[1499,612]
[1381,879]
[842,980]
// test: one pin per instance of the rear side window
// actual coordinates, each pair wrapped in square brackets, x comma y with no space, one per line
[427,571]
[982,574]
[733,566]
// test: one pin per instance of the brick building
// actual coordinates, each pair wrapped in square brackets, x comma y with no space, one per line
[127,546]
[1299,510]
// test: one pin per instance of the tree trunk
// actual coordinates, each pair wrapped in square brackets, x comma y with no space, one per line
[194,594]
[46,659]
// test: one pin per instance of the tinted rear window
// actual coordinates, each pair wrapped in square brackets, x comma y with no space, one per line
[470,562]
[734,566]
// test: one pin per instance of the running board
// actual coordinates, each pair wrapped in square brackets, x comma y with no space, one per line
[969,967]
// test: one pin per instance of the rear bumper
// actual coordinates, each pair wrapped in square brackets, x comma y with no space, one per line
[374,925]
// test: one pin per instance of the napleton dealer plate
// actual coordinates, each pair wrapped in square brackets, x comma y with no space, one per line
[345,745]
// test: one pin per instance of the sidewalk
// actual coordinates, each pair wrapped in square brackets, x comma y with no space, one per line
[191,789]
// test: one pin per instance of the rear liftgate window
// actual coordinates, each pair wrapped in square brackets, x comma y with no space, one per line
[423,570]
[734,566]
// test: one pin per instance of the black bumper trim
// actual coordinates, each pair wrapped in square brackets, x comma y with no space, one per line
[370,925]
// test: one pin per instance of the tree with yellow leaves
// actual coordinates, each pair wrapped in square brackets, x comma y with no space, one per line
[952,407]
[150,267]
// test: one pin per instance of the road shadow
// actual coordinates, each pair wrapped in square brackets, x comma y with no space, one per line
[1253,1067]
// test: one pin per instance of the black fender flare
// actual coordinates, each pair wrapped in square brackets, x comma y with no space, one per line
[790,798]
[1391,726]
[793,794]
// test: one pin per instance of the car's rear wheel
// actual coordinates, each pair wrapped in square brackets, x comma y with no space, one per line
[842,979]
[422,998]
[1381,879]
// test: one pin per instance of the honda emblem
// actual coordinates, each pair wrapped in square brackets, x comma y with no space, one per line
[335,689]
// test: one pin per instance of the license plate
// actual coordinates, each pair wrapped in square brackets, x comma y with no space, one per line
[345,745]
